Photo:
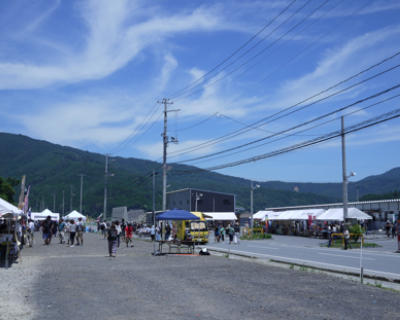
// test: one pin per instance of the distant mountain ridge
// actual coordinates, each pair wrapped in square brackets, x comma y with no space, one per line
[52,169]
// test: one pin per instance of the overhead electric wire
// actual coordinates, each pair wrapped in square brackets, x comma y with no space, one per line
[240,48]
[300,125]
[282,66]
[306,129]
[257,123]
[357,127]
[114,150]
[362,125]
[259,53]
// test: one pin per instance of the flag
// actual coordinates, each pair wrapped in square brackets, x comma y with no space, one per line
[29,213]
[21,196]
[26,202]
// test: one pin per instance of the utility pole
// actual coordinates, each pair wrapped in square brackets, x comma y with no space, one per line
[165,145]
[357,194]
[80,203]
[106,175]
[154,206]
[344,170]
[70,199]
[54,202]
[251,204]
[63,205]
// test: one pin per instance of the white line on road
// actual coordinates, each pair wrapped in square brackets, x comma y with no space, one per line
[339,255]
[263,247]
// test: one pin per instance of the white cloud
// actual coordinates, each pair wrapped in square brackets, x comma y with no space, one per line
[111,42]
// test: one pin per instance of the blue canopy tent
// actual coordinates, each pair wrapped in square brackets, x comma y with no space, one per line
[177,214]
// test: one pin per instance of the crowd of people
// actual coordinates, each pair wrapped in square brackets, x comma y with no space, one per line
[230,231]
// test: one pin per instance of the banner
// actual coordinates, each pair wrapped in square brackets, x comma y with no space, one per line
[22,195]
[309,220]
[266,221]
[25,209]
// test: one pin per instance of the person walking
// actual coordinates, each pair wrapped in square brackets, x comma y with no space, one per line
[112,240]
[153,232]
[346,235]
[222,232]
[237,233]
[72,232]
[61,231]
[29,233]
[80,228]
[217,233]
[387,226]
[119,230]
[103,229]
[123,227]
[46,229]
[231,232]
[68,231]
[128,235]
[54,230]
[329,236]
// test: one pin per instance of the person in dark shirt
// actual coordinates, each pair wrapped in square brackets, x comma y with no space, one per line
[47,225]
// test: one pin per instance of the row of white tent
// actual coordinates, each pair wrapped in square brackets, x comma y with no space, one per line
[7,209]
[317,214]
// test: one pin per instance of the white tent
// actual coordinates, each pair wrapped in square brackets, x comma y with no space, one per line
[7,209]
[272,215]
[44,214]
[220,216]
[75,215]
[337,215]
[262,214]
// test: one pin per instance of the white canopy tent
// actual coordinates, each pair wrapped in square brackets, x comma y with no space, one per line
[296,214]
[7,209]
[261,214]
[337,215]
[272,215]
[44,214]
[75,215]
[220,216]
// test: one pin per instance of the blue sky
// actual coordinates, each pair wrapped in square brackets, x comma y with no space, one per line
[88,74]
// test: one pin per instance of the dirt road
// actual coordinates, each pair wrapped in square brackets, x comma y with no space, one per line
[59,282]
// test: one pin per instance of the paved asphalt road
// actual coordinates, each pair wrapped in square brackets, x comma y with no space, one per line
[376,261]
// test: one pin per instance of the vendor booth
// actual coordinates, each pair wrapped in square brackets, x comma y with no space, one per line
[337,215]
[75,215]
[44,214]
[220,216]
[9,244]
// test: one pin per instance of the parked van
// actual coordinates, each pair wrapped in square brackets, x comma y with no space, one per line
[197,228]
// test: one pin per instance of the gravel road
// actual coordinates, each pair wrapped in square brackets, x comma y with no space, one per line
[59,282]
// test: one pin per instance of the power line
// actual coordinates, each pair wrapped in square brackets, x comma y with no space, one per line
[245,44]
[282,66]
[259,53]
[262,121]
[303,124]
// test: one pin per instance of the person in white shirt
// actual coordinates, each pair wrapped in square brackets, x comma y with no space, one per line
[119,230]
[29,233]
[80,228]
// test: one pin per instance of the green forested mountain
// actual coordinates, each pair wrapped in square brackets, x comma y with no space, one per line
[52,169]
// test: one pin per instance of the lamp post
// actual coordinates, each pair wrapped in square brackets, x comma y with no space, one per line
[251,204]
[198,197]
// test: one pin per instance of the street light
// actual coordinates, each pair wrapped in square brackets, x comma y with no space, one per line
[198,197]
[251,204]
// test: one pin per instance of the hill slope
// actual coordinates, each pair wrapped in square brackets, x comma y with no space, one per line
[53,169]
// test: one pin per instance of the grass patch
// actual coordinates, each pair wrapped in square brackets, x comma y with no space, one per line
[339,244]
[257,236]
[376,284]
